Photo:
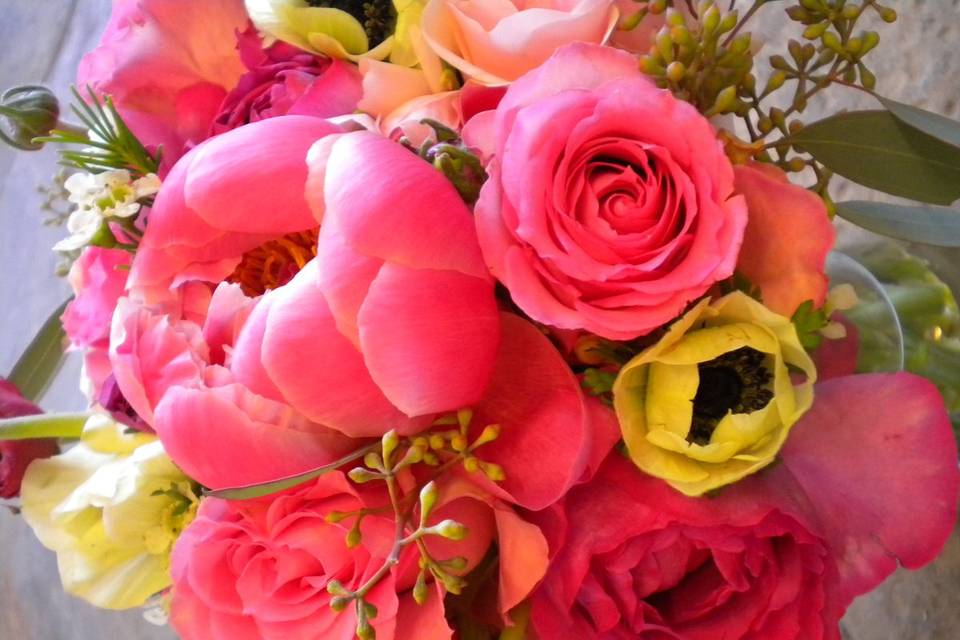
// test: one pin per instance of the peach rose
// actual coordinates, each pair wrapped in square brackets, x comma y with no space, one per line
[496,41]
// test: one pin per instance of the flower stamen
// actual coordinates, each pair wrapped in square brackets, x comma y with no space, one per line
[274,263]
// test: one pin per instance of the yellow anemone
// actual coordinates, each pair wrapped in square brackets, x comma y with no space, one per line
[714,400]
[330,31]
[111,508]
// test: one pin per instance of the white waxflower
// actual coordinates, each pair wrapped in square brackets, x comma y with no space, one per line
[99,197]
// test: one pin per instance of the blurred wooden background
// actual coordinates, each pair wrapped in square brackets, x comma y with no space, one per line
[43,40]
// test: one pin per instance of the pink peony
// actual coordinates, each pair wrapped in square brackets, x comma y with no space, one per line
[496,41]
[396,319]
[788,237]
[226,200]
[16,455]
[779,555]
[282,80]
[259,569]
[168,64]
[610,204]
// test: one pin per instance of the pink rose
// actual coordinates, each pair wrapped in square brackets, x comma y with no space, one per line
[788,237]
[610,204]
[16,455]
[779,555]
[497,41]
[168,64]
[260,568]
[282,80]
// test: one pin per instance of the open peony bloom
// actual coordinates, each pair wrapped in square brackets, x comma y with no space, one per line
[168,65]
[787,239]
[497,41]
[714,399]
[610,203]
[779,555]
[395,318]
[283,80]
[233,207]
[16,455]
[111,507]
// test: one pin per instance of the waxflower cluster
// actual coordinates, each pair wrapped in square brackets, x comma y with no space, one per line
[424,319]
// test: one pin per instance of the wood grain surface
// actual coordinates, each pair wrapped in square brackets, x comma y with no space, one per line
[42,41]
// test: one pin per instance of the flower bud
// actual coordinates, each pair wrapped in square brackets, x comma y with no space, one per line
[420,592]
[336,588]
[675,71]
[449,529]
[490,433]
[27,112]
[388,444]
[428,499]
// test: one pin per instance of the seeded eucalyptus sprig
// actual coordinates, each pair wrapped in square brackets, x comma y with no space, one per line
[107,144]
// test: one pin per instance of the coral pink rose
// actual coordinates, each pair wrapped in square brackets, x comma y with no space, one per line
[397,318]
[788,237]
[496,41]
[259,569]
[16,455]
[281,80]
[779,555]
[610,204]
[231,195]
[168,64]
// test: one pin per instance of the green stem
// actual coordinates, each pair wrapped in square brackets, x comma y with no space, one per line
[43,425]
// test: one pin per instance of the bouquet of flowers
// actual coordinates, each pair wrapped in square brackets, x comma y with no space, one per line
[477,319]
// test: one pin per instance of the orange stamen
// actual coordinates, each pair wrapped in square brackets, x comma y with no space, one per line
[274,263]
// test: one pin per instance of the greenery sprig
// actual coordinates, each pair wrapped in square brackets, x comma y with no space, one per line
[107,144]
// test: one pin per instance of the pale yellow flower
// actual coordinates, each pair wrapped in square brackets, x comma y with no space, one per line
[714,400]
[111,508]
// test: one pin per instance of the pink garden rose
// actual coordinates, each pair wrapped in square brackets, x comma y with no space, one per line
[610,204]
[868,480]
[16,455]
[168,64]
[259,569]
[496,41]
[282,80]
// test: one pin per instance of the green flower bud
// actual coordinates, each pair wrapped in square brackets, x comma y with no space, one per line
[354,537]
[664,45]
[336,588]
[389,443]
[832,42]
[852,11]
[458,443]
[725,103]
[729,21]
[775,81]
[675,71]
[870,40]
[374,461]
[493,471]
[420,592]
[765,125]
[361,475]
[340,603]
[814,31]
[799,14]
[336,516]
[490,433]
[657,7]
[365,630]
[780,63]
[456,563]
[27,112]
[867,79]
[741,44]
[428,500]
[675,18]
[886,14]
[854,46]
[711,20]
[796,165]
[449,529]
[471,464]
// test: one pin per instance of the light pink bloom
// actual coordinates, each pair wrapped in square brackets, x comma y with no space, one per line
[98,279]
[868,482]
[168,65]
[496,41]
[610,204]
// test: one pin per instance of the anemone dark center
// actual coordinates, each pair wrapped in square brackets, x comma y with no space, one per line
[378,17]
[735,382]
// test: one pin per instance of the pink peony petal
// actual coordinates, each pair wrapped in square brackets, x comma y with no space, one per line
[877,457]
[226,436]
[787,239]
[429,337]
[316,368]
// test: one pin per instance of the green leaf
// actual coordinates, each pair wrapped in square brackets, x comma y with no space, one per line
[927,224]
[809,321]
[39,364]
[43,425]
[878,151]
[932,124]
[264,489]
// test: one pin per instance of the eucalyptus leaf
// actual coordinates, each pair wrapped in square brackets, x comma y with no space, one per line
[927,224]
[275,486]
[879,151]
[43,425]
[933,124]
[39,364]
